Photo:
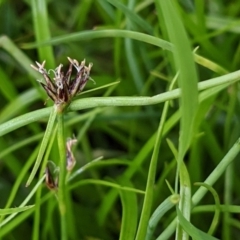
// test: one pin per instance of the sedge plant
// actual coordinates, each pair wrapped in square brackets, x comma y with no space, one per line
[150,151]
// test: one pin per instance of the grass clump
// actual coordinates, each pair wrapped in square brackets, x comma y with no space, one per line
[119,158]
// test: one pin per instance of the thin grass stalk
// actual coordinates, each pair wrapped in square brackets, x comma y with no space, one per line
[147,204]
[62,175]
[37,214]
[228,189]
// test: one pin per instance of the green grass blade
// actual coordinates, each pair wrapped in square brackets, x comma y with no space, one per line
[148,199]
[131,15]
[188,80]
[87,35]
[192,230]
[62,177]
[47,135]
[129,212]
[8,211]
[38,196]
[215,220]
[42,31]
[17,104]
[97,163]
[185,202]
[24,120]
[218,171]
[188,76]
[165,206]
[23,204]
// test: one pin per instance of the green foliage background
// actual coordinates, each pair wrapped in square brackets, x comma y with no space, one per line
[153,139]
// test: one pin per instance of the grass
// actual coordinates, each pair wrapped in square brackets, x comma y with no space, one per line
[157,130]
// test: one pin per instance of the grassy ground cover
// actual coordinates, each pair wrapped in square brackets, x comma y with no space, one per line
[140,141]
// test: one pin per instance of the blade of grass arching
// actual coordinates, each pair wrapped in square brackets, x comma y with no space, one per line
[86,103]
[216,217]
[41,29]
[131,15]
[44,144]
[129,212]
[212,208]
[105,183]
[88,35]
[18,104]
[191,229]
[8,211]
[165,206]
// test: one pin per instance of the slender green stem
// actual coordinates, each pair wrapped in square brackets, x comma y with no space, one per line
[38,198]
[92,102]
[142,228]
[62,175]
[146,210]
[44,144]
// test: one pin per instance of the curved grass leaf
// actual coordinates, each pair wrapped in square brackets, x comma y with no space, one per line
[194,232]
[165,206]
[89,35]
[107,184]
[217,206]
[129,212]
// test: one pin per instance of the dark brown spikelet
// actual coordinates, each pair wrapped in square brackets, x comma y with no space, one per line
[64,87]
